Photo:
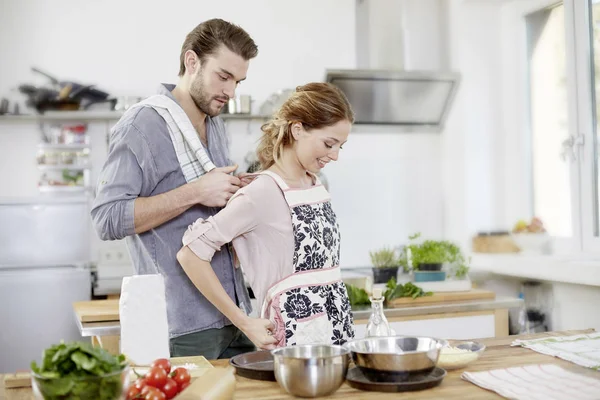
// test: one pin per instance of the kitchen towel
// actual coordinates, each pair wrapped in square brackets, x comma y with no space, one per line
[190,151]
[536,382]
[583,349]
[143,316]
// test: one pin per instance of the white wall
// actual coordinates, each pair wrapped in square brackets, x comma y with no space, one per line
[128,47]
[386,185]
[471,141]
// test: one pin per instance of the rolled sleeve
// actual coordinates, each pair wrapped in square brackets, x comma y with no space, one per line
[120,183]
[206,236]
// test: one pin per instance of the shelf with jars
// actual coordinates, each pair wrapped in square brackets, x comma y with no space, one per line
[63,158]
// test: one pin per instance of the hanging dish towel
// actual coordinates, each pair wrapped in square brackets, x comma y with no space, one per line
[536,382]
[583,349]
[191,154]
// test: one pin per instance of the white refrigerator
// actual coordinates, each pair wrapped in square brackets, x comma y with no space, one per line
[44,268]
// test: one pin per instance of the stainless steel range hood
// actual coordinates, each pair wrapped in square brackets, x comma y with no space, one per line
[402,77]
[395,97]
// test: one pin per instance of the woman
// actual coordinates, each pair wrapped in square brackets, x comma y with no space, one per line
[284,230]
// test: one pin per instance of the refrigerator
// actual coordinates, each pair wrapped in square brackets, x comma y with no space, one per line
[44,267]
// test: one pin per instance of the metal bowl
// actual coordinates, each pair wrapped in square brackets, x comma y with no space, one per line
[311,370]
[396,354]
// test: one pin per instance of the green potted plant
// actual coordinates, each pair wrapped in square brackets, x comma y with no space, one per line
[431,255]
[385,264]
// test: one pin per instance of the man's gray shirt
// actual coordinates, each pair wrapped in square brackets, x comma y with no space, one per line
[141,162]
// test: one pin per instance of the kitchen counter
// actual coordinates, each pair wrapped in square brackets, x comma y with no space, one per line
[363,312]
[499,354]
[106,328]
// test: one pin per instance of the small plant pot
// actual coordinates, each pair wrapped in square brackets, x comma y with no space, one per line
[430,267]
[430,276]
[383,275]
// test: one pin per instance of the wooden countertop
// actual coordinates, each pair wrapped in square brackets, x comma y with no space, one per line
[498,354]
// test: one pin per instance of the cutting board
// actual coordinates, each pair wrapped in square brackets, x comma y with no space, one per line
[97,310]
[196,365]
[443,297]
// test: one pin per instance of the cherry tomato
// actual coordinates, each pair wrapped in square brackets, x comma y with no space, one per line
[183,386]
[133,393]
[181,376]
[170,389]
[146,389]
[156,377]
[140,383]
[155,394]
[163,363]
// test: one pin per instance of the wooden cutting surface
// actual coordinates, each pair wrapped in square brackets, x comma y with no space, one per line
[499,354]
[443,297]
[97,310]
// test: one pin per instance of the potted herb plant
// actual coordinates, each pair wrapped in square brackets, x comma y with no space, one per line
[431,255]
[385,264]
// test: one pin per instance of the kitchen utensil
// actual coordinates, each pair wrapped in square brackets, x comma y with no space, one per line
[239,105]
[461,355]
[311,370]
[4,106]
[418,381]
[275,101]
[255,365]
[396,354]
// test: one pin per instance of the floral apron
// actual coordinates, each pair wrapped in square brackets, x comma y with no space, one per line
[311,305]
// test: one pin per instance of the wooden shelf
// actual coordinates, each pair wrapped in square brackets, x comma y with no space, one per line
[85,116]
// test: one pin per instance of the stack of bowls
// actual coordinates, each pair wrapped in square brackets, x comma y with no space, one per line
[393,358]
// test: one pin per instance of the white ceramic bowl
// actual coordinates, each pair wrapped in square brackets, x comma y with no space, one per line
[450,361]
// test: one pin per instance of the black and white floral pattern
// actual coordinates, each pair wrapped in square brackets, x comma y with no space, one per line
[316,237]
[317,246]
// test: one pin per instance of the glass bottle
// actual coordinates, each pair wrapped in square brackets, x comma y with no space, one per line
[378,324]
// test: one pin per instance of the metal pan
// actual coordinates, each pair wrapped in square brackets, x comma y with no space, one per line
[255,365]
[357,379]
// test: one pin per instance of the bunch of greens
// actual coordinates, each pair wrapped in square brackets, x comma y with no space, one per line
[434,252]
[357,296]
[384,258]
[79,371]
[395,291]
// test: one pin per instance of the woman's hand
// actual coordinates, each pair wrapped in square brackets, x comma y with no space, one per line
[246,178]
[259,331]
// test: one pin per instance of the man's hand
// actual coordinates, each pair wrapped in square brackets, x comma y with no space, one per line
[216,187]
[259,331]
[246,178]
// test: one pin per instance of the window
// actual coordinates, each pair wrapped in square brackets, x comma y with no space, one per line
[559,53]
[548,120]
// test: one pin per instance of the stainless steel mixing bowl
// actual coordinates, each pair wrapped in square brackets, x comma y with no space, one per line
[396,354]
[311,370]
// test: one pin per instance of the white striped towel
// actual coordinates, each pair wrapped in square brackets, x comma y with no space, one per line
[583,349]
[191,154]
[536,382]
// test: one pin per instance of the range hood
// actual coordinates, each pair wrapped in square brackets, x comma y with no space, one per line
[398,97]
[402,77]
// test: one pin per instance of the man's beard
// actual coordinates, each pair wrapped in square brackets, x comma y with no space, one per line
[202,101]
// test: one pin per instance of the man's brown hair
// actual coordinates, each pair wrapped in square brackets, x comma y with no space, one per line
[207,37]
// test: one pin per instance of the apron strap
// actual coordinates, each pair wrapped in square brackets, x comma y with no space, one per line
[278,179]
